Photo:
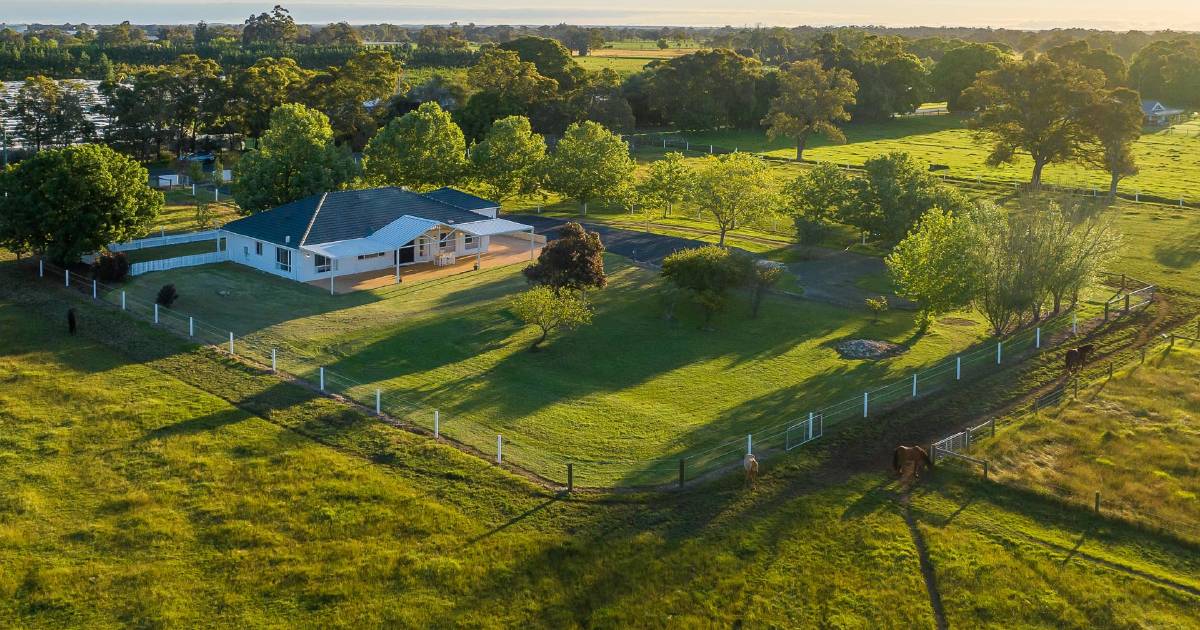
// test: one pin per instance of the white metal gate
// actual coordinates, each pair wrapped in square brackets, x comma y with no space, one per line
[804,431]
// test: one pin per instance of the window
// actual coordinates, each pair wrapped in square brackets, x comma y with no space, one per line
[283,259]
[445,241]
[258,248]
[469,241]
[422,243]
[323,264]
[370,256]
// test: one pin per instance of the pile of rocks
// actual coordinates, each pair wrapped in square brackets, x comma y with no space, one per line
[868,349]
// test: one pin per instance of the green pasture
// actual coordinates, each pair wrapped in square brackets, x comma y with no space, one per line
[1169,159]
[629,388]
[623,65]
[148,484]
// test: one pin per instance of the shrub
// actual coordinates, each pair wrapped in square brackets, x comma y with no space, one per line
[878,306]
[167,295]
[111,267]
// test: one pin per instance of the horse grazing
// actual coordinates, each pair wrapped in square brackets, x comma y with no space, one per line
[908,461]
[1078,357]
[751,466]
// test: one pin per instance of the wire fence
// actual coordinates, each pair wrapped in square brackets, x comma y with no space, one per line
[668,141]
[956,447]
[402,408]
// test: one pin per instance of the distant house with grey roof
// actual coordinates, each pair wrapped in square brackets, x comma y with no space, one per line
[380,230]
[1155,114]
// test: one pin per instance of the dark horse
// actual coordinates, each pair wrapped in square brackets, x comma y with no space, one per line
[909,461]
[1078,357]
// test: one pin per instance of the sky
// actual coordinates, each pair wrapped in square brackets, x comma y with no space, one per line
[1025,14]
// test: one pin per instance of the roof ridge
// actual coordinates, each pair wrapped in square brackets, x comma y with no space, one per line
[313,219]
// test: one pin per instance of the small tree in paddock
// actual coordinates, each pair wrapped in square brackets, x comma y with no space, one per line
[708,273]
[735,189]
[877,306]
[934,265]
[761,275]
[550,311]
[667,182]
[508,162]
[575,260]
[167,295]
[590,163]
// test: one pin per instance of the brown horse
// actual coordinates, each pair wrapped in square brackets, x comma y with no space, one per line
[751,466]
[1078,357]
[909,461]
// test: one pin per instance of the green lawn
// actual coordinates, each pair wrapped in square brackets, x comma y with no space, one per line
[179,213]
[672,387]
[1169,159]
[171,251]
[149,485]
[623,65]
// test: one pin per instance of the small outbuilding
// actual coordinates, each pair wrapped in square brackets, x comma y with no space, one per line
[1155,114]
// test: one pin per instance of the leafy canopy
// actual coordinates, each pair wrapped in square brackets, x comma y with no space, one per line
[423,149]
[75,200]
[590,163]
[508,162]
[575,260]
[296,158]
[812,100]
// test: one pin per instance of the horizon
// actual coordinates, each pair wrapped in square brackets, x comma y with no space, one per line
[1112,15]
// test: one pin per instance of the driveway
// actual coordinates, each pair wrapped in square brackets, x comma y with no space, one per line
[829,275]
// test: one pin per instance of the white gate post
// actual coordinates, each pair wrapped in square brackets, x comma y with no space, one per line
[273,359]
[93,289]
[67,277]
[378,405]
[322,372]
[998,352]
[156,312]
[958,368]
[865,403]
[41,268]
[1074,323]
[231,342]
[191,326]
[1038,337]
[914,385]
[810,426]
[122,300]
[749,443]
[499,448]
[436,424]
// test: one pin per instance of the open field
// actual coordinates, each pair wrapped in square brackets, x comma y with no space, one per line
[623,65]
[1169,159]
[1132,439]
[179,213]
[452,345]
[149,484]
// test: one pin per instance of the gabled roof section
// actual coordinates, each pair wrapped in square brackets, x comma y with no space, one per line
[347,214]
[460,199]
[284,225]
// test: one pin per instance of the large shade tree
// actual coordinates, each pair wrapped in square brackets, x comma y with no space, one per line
[422,149]
[295,158]
[959,67]
[812,100]
[508,162]
[706,89]
[590,163]
[1035,106]
[892,195]
[734,189]
[1115,122]
[71,201]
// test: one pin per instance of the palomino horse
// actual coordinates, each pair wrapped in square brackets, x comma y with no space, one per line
[908,461]
[751,466]
[1078,357]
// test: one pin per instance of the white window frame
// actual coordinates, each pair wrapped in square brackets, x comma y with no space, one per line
[285,254]
[470,241]
[258,248]
[323,264]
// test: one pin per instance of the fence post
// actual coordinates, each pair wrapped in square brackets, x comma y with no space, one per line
[67,277]
[231,342]
[810,427]
[570,477]
[1126,302]
[998,345]
[866,396]
[1074,324]
[122,300]
[499,448]
[378,402]
[93,289]
[681,464]
[1110,370]
[156,312]
[914,393]
[1106,311]
[41,268]
[1038,337]
[191,326]
[321,371]
[1143,354]
[749,443]
[985,469]
[273,364]
[437,429]
[958,368]
[1097,501]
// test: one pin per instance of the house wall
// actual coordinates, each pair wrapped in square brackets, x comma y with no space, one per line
[241,250]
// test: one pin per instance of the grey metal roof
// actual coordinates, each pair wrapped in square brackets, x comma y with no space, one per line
[345,214]
[460,199]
